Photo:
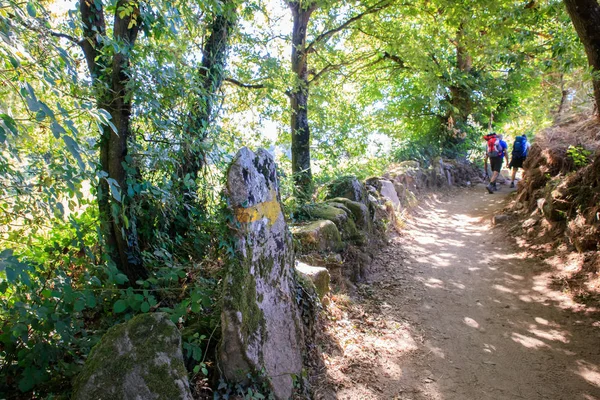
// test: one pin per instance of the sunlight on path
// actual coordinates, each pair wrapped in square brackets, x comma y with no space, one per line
[486,323]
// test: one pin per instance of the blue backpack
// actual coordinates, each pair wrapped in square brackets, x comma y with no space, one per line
[520,147]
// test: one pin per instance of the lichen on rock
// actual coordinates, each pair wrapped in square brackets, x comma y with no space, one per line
[359,211]
[348,187]
[340,216]
[319,276]
[261,326]
[317,236]
[139,359]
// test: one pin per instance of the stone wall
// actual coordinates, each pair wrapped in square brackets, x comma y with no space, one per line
[341,233]
[274,283]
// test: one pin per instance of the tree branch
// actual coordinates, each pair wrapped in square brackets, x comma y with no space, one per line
[70,38]
[396,59]
[246,85]
[333,67]
[323,37]
[41,30]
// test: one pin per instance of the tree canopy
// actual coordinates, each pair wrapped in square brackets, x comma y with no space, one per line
[118,119]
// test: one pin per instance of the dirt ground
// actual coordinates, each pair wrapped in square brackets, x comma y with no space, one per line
[456,310]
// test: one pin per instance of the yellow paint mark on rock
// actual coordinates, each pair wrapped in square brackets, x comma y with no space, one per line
[268,209]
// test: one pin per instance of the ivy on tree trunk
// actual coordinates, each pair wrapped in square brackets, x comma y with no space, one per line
[113,95]
[299,101]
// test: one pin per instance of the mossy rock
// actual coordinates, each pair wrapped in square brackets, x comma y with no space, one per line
[359,212]
[348,187]
[317,236]
[139,359]
[319,277]
[340,216]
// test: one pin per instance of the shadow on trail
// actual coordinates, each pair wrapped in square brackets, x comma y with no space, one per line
[483,317]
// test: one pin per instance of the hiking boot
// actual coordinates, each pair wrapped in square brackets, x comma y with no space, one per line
[490,189]
[512,185]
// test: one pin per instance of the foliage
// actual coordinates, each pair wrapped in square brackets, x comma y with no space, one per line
[382,89]
[579,155]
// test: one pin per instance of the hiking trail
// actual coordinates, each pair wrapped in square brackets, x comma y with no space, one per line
[455,309]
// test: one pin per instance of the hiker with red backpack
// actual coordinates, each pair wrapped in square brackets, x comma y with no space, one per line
[519,154]
[496,151]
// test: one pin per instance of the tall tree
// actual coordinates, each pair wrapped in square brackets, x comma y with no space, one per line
[585,15]
[300,131]
[108,69]
[299,94]
[208,80]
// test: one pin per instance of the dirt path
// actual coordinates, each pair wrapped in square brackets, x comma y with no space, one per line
[455,310]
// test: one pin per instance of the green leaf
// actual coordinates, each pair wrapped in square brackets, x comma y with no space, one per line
[57,129]
[9,123]
[15,62]
[74,150]
[119,306]
[32,102]
[115,190]
[11,275]
[145,307]
[121,279]
[79,305]
[31,9]
[91,300]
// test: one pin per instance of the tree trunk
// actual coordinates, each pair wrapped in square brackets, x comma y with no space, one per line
[460,92]
[299,102]
[563,99]
[210,78]
[112,94]
[585,15]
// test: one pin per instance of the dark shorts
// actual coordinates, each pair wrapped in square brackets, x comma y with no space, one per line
[516,162]
[496,163]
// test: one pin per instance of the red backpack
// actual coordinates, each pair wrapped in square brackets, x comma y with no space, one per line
[493,145]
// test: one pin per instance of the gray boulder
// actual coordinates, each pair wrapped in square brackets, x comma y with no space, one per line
[317,236]
[318,275]
[341,216]
[261,324]
[348,187]
[137,360]
[359,212]
[386,189]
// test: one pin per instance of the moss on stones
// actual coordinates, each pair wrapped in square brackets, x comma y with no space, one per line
[244,299]
[141,357]
[348,187]
[319,276]
[359,212]
[317,236]
[341,217]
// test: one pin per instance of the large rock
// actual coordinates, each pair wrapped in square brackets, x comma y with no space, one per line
[348,187]
[340,216]
[359,211]
[317,236]
[386,189]
[137,360]
[318,275]
[261,325]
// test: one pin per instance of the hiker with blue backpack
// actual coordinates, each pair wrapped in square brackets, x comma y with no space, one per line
[496,151]
[519,154]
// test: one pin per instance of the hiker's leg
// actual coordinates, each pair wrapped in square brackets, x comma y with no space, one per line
[514,173]
[494,177]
